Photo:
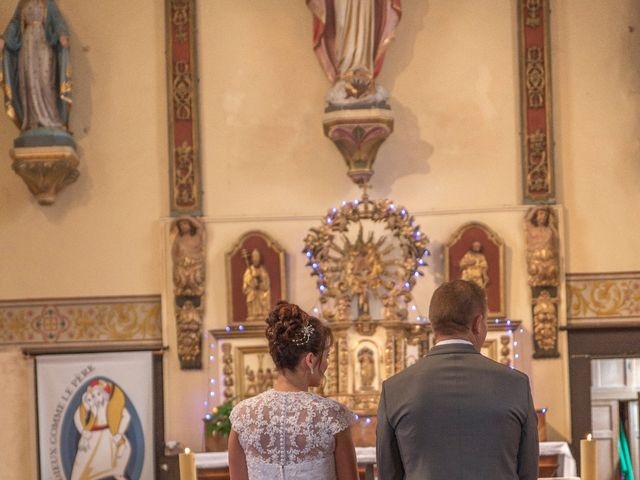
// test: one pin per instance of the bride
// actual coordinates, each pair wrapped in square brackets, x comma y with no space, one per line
[288,432]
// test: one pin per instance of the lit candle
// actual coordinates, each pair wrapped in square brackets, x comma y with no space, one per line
[187,465]
[588,459]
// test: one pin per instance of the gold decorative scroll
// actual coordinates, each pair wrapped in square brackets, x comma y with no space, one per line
[81,322]
[601,299]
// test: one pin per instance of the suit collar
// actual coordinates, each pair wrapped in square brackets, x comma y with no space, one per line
[452,348]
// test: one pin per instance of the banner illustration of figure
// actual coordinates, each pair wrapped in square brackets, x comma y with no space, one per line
[104,425]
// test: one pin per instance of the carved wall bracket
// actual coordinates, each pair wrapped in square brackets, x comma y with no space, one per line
[358,134]
[46,170]
[543,268]
[189,274]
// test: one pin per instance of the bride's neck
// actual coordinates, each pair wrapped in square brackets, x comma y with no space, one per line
[289,381]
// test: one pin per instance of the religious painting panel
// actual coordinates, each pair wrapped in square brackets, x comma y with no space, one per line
[95,414]
[476,253]
[255,371]
[255,278]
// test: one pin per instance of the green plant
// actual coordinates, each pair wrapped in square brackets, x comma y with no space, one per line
[218,422]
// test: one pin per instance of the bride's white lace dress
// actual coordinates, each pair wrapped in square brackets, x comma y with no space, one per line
[290,435]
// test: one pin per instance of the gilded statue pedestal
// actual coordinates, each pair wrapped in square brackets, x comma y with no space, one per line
[358,134]
[46,170]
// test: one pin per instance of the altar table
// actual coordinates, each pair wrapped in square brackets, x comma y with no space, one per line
[555,461]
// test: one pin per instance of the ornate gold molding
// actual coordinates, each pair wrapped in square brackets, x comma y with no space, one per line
[185,185]
[535,85]
[227,371]
[81,322]
[601,299]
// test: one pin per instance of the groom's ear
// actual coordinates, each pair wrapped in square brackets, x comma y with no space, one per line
[476,324]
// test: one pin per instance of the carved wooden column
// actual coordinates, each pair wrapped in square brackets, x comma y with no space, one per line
[535,86]
[185,182]
[185,186]
[538,176]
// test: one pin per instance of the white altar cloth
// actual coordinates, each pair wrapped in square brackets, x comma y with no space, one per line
[567,462]
[367,456]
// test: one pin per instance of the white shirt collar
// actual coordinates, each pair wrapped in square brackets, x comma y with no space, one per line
[452,341]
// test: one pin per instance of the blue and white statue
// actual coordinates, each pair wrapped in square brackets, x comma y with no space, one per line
[36,74]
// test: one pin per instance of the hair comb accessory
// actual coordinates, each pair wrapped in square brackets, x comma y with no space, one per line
[304,336]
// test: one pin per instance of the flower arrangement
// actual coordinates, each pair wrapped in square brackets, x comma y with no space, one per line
[218,422]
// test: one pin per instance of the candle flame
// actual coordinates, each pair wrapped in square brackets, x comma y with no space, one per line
[589,437]
[187,450]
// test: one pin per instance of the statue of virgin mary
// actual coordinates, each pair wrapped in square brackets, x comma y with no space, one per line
[36,73]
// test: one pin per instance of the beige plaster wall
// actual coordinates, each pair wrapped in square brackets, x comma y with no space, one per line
[17,435]
[99,238]
[597,121]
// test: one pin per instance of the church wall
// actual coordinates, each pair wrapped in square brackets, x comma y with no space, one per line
[454,157]
[17,452]
[101,236]
[597,120]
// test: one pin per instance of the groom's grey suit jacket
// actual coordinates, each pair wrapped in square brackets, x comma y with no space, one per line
[457,415]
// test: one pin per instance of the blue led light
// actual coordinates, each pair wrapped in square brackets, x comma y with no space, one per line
[241,328]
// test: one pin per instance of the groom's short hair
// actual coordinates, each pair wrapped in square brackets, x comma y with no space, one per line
[454,305]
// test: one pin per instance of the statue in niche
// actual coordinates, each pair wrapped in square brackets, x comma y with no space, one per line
[367,368]
[256,287]
[474,266]
[37,74]
[545,321]
[350,38]
[542,247]
[188,257]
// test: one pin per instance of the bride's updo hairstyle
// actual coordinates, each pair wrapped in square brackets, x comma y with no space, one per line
[291,333]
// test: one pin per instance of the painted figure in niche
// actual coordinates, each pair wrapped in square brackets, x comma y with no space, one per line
[188,257]
[102,421]
[350,38]
[542,247]
[256,287]
[545,321]
[367,368]
[36,73]
[474,266]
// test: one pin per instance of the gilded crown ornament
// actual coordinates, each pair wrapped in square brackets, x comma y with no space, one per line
[365,268]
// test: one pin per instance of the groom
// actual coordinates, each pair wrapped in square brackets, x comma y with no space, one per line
[455,414]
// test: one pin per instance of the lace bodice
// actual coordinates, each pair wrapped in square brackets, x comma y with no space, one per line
[287,432]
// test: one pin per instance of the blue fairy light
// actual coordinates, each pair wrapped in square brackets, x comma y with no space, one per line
[228,329]
[241,328]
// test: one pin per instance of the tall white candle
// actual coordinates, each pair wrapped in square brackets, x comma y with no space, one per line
[187,461]
[588,459]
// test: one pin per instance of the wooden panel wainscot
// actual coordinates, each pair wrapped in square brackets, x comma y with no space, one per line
[185,184]
[535,87]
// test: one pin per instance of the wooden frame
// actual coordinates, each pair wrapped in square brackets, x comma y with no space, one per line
[493,248]
[66,403]
[273,258]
